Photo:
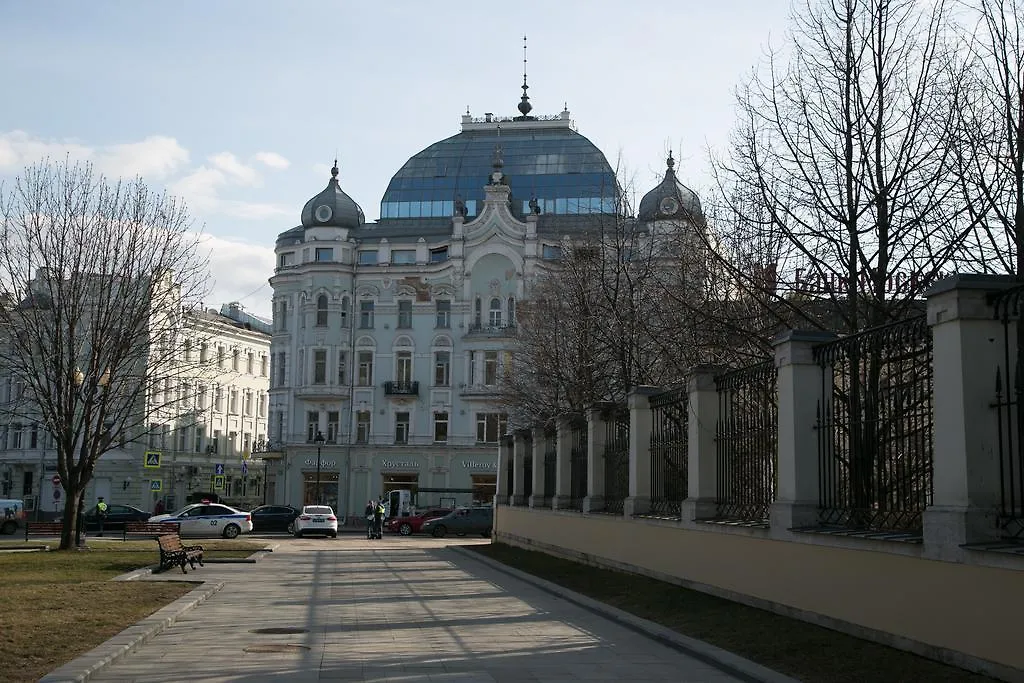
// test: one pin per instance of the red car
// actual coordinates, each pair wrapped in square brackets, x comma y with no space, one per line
[411,524]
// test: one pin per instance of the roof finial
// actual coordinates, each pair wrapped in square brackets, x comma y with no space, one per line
[670,162]
[524,103]
[334,169]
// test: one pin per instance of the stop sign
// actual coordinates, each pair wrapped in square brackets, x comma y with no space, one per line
[56,480]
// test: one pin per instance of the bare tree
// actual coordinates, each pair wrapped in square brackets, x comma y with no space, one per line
[991,107]
[95,279]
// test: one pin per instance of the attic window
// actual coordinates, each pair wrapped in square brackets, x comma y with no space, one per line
[438,255]
[368,257]
[286,259]
[403,256]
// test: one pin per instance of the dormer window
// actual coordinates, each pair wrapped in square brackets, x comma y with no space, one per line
[403,256]
[324,254]
[368,257]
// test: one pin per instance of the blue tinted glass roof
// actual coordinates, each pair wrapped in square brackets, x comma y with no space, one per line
[562,168]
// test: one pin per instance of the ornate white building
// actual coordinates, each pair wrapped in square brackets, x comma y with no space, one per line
[390,338]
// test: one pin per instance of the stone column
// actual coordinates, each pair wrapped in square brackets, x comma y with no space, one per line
[799,387]
[539,446]
[504,457]
[519,446]
[967,343]
[595,460]
[702,453]
[640,423]
[563,463]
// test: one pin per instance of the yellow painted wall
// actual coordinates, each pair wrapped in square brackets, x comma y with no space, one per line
[966,608]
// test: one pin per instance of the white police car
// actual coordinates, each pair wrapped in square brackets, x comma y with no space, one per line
[208,519]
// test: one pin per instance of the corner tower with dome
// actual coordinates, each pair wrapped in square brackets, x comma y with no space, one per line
[390,337]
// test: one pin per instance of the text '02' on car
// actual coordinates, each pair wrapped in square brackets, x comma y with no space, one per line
[208,519]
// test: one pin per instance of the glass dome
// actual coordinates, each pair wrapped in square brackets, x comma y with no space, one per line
[561,168]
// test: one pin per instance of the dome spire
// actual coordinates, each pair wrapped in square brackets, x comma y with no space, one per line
[334,169]
[524,102]
[670,163]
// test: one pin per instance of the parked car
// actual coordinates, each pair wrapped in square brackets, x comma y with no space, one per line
[12,515]
[209,519]
[412,524]
[273,518]
[316,519]
[117,515]
[461,521]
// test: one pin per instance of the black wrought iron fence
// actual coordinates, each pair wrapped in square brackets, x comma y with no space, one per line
[875,428]
[577,463]
[746,443]
[550,462]
[1009,393]
[616,459]
[669,438]
[528,471]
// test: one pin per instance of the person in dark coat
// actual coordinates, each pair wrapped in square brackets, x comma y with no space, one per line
[368,513]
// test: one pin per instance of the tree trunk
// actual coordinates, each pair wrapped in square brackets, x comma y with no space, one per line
[73,503]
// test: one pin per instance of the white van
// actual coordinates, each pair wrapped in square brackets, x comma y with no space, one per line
[12,515]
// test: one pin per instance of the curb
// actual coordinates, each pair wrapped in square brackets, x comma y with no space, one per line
[722,659]
[127,641]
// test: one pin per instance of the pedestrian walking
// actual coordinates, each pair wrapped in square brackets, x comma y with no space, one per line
[370,507]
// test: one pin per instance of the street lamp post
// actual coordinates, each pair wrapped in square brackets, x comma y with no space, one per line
[320,440]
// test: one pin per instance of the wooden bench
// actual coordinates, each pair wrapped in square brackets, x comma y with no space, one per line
[151,529]
[173,553]
[43,529]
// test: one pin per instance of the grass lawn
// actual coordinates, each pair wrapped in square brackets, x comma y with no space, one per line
[804,651]
[55,606]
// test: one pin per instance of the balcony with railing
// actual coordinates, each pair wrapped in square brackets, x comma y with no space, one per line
[478,391]
[491,331]
[323,392]
[401,388]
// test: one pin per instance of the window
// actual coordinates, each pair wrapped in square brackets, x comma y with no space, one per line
[232,443]
[182,438]
[16,436]
[286,259]
[490,427]
[402,427]
[342,368]
[280,369]
[218,399]
[362,426]
[472,368]
[551,252]
[220,357]
[248,402]
[403,256]
[439,255]
[403,367]
[249,363]
[404,314]
[366,315]
[233,400]
[279,425]
[188,350]
[234,359]
[511,310]
[319,366]
[264,363]
[490,368]
[368,257]
[197,445]
[494,317]
[321,310]
[365,359]
[282,316]
[261,404]
[324,254]
[201,396]
[215,442]
[33,436]
[344,311]
[477,315]
[154,435]
[312,425]
[440,427]
[332,426]
[444,313]
[204,353]
[442,368]
[246,442]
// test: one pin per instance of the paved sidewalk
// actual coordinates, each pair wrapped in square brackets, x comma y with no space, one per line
[402,610]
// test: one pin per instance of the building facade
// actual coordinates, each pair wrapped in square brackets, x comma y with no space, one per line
[390,338]
[204,423]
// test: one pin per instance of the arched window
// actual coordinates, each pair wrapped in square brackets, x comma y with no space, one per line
[495,313]
[321,311]
[344,311]
[511,310]
[476,312]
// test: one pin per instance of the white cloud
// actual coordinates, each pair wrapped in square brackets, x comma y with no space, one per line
[202,189]
[239,272]
[155,157]
[273,160]
[235,169]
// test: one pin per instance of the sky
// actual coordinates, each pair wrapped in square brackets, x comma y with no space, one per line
[240,107]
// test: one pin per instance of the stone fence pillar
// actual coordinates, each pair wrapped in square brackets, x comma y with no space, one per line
[640,424]
[968,347]
[504,458]
[539,446]
[563,463]
[702,455]
[596,431]
[799,388]
[520,445]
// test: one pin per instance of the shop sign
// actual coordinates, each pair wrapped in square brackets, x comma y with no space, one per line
[311,462]
[479,465]
[400,464]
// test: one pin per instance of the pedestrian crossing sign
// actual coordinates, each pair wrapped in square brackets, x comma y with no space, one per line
[218,482]
[156,484]
[152,459]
